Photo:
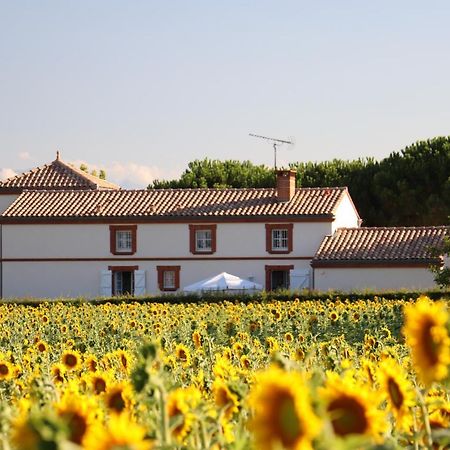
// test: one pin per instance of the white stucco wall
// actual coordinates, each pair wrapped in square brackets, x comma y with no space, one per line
[153,240]
[379,279]
[73,279]
[6,200]
[157,244]
[345,215]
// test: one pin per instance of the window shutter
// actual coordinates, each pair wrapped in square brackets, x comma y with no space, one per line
[139,282]
[300,279]
[106,283]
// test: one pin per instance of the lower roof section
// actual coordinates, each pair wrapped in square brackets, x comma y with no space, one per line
[386,246]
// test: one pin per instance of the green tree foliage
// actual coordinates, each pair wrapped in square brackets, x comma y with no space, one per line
[84,168]
[410,187]
[220,174]
[442,273]
[102,174]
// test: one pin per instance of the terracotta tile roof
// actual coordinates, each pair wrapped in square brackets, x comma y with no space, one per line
[57,175]
[367,245]
[173,203]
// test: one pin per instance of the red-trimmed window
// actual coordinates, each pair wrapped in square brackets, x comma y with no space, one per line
[279,238]
[168,278]
[123,239]
[202,239]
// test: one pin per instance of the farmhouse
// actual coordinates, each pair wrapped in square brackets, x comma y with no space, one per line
[66,233]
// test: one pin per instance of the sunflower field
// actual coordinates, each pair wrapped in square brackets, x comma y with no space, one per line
[272,375]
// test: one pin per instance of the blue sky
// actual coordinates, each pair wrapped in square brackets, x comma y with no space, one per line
[143,87]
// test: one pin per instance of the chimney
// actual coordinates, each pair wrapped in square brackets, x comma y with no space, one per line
[285,184]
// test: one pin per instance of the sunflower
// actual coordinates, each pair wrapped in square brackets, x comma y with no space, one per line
[440,416]
[197,339]
[118,398]
[398,391]
[282,414]
[333,316]
[426,333]
[24,435]
[180,404]
[91,363]
[183,355]
[351,408]
[120,433]
[224,398]
[71,359]
[6,370]
[124,359]
[99,382]
[58,370]
[77,413]
[42,346]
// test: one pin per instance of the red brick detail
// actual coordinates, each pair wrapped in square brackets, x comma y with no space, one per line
[270,269]
[161,270]
[112,238]
[285,185]
[280,226]
[193,229]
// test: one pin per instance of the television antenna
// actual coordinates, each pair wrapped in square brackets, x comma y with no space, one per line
[275,144]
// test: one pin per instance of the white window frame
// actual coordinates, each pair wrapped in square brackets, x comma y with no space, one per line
[169,279]
[124,241]
[280,239]
[203,240]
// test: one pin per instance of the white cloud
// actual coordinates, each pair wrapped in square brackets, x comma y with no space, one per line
[24,156]
[7,173]
[130,175]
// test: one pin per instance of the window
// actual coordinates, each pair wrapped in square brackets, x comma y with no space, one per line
[168,278]
[123,280]
[279,238]
[123,239]
[202,239]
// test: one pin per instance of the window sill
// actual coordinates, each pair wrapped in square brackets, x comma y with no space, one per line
[279,252]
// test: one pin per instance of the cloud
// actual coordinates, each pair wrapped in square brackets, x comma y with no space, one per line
[7,173]
[24,156]
[130,175]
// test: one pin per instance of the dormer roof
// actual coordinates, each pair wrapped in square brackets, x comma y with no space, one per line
[58,175]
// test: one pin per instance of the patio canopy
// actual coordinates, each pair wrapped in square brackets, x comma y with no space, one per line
[222,282]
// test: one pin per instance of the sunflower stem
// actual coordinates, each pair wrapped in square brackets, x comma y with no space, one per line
[165,437]
[202,435]
[425,419]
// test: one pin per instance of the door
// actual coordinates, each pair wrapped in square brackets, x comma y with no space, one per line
[123,282]
[279,279]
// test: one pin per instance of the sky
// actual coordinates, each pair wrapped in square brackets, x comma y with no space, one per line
[141,88]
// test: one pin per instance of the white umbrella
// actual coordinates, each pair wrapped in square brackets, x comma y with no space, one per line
[222,282]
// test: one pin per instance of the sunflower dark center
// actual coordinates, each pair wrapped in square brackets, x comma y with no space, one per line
[116,402]
[430,346]
[395,394]
[288,423]
[99,385]
[4,369]
[70,360]
[348,416]
[77,426]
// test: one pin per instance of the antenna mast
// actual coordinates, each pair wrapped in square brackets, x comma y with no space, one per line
[275,143]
